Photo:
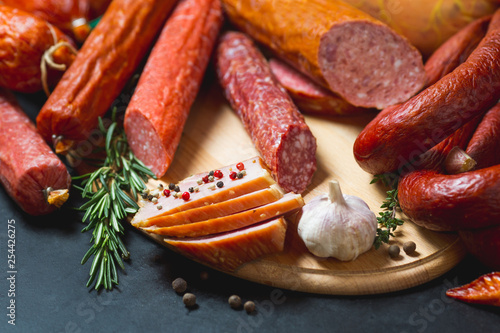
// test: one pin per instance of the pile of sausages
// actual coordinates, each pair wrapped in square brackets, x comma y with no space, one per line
[414,138]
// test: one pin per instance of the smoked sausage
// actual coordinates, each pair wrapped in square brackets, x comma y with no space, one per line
[276,127]
[101,69]
[484,244]
[170,81]
[396,136]
[359,58]
[29,171]
[24,40]
[442,202]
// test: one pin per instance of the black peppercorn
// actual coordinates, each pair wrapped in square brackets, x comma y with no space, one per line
[189,299]
[234,301]
[179,285]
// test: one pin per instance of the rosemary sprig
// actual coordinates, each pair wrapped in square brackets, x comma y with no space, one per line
[111,193]
[388,222]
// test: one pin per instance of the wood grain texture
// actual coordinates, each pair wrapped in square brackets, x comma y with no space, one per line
[214,137]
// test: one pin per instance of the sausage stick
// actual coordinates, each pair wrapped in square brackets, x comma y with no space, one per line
[29,171]
[101,69]
[276,127]
[170,81]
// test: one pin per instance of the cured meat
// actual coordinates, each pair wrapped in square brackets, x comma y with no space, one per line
[455,50]
[426,23]
[24,40]
[484,146]
[160,105]
[288,203]
[231,206]
[398,135]
[257,177]
[29,171]
[359,58]
[441,202]
[309,96]
[71,16]
[483,290]
[276,127]
[230,250]
[484,244]
[101,69]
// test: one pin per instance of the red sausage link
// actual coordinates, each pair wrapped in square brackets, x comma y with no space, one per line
[455,50]
[107,59]
[441,202]
[28,167]
[276,127]
[397,136]
[170,81]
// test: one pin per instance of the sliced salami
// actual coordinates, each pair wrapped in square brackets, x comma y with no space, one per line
[274,123]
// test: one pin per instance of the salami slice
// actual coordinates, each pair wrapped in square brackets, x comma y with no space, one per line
[28,167]
[170,81]
[276,127]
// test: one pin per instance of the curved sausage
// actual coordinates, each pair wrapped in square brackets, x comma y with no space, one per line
[24,39]
[455,50]
[28,167]
[441,202]
[170,81]
[276,127]
[359,58]
[396,136]
[309,96]
[101,69]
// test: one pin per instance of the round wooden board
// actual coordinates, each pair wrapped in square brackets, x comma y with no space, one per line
[214,136]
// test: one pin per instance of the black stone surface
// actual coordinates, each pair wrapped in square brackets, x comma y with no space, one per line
[50,292]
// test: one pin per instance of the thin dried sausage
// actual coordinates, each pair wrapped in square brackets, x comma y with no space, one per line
[170,81]
[276,127]
[101,69]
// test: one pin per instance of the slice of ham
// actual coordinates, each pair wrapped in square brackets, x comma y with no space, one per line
[257,178]
[231,206]
[287,204]
[230,250]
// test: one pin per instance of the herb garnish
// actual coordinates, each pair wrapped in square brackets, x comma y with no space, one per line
[111,191]
[387,220]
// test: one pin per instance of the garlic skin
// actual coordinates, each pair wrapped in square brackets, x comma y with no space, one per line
[336,225]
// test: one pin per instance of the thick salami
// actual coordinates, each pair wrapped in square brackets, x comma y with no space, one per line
[356,56]
[309,96]
[170,81]
[29,170]
[276,127]
[101,69]
[396,136]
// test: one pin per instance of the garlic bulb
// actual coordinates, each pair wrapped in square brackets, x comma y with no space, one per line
[336,225]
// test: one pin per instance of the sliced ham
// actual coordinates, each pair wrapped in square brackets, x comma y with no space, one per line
[230,250]
[288,203]
[231,206]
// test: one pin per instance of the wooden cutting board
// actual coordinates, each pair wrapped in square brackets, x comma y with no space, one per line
[214,137]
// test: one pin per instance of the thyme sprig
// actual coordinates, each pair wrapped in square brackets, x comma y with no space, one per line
[111,193]
[387,219]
